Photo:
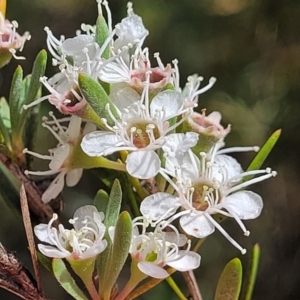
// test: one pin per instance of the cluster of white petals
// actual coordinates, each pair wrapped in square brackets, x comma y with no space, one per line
[60,157]
[84,241]
[154,250]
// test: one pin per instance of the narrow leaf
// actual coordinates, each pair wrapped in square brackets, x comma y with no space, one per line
[229,284]
[66,280]
[38,71]
[96,96]
[101,201]
[119,252]
[114,205]
[14,95]
[263,153]
[102,34]
[29,235]
[251,274]
[45,261]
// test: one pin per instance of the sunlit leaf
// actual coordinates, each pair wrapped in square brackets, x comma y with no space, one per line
[66,280]
[229,284]
[101,200]
[263,153]
[96,96]
[251,274]
[102,34]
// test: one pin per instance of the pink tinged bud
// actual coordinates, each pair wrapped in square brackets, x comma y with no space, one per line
[209,128]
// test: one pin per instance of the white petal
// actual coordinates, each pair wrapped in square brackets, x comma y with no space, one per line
[227,162]
[129,30]
[74,128]
[196,225]
[172,237]
[54,188]
[143,164]
[160,204]
[75,45]
[152,270]
[52,251]
[100,143]
[73,177]
[188,262]
[82,213]
[124,97]
[244,204]
[97,248]
[41,232]
[60,154]
[170,101]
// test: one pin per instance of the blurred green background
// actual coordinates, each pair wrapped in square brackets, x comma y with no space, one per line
[253,48]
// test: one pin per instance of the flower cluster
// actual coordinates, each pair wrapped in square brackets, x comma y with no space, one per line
[143,123]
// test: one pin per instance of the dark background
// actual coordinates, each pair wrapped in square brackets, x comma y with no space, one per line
[253,48]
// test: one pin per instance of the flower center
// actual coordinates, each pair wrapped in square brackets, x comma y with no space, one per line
[205,195]
[143,134]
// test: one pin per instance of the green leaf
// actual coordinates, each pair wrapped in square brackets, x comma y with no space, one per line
[114,205]
[102,34]
[101,200]
[45,261]
[66,280]
[15,92]
[96,96]
[263,153]
[9,190]
[5,123]
[5,57]
[118,254]
[251,274]
[38,70]
[229,284]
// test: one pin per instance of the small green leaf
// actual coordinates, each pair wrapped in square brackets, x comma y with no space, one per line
[263,153]
[45,261]
[33,85]
[111,217]
[230,281]
[118,254]
[96,96]
[251,274]
[102,34]
[15,92]
[101,200]
[5,123]
[114,205]
[66,280]
[5,57]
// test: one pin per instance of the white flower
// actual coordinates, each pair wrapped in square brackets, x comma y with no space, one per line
[142,129]
[205,187]
[61,156]
[10,40]
[154,250]
[82,242]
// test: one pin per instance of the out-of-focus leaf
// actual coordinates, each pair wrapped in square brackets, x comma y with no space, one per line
[5,123]
[263,153]
[9,189]
[101,200]
[96,96]
[5,56]
[229,285]
[102,34]
[251,274]
[118,254]
[45,261]
[66,280]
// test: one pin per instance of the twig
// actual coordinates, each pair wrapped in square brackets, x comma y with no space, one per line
[29,235]
[15,278]
[192,285]
[41,210]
